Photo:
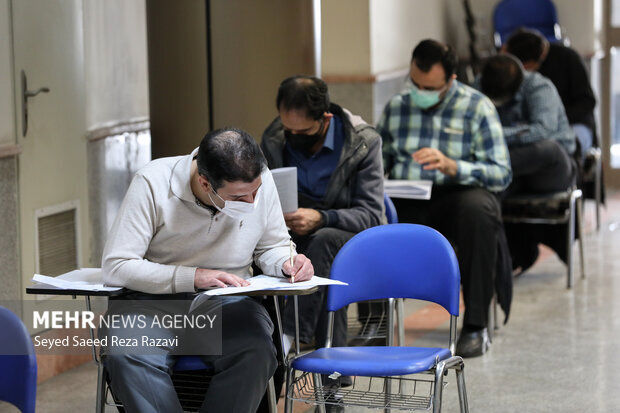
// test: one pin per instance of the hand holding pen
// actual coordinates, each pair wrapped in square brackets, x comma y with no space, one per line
[297,268]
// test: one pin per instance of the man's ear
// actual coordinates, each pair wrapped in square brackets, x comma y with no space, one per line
[328,115]
[204,183]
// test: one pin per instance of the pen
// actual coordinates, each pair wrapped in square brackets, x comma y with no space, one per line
[292,275]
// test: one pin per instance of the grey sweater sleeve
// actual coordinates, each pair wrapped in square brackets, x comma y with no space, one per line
[367,198]
[124,264]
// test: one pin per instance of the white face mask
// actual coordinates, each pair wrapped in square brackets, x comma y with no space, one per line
[236,209]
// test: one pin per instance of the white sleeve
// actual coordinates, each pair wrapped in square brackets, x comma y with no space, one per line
[123,261]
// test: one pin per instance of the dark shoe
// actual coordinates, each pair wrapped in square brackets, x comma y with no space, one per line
[367,336]
[342,381]
[472,343]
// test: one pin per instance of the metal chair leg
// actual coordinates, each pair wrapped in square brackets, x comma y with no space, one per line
[569,240]
[288,403]
[580,233]
[597,186]
[438,387]
[101,386]
[318,384]
[491,319]
[400,314]
[495,317]
[271,397]
[460,383]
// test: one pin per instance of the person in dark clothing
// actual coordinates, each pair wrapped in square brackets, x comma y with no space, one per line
[540,142]
[565,68]
[539,138]
[442,130]
[340,187]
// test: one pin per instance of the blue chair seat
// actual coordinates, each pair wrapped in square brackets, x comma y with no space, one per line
[371,361]
[190,363]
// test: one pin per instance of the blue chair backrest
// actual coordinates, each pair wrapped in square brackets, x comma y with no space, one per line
[390,210]
[541,15]
[18,363]
[396,261]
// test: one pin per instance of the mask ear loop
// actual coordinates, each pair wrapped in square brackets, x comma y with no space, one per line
[213,202]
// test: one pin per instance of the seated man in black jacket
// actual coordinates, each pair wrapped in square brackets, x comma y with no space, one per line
[340,187]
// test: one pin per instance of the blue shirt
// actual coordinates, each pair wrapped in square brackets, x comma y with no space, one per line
[314,172]
[536,113]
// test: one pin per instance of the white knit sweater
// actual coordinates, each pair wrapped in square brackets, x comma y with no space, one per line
[160,235]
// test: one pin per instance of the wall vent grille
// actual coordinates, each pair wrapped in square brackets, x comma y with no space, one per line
[57,242]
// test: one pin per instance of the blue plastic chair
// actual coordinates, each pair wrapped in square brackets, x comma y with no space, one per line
[388,261]
[390,210]
[509,15]
[18,363]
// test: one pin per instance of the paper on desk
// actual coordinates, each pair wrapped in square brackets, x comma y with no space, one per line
[266,282]
[410,189]
[84,279]
[286,183]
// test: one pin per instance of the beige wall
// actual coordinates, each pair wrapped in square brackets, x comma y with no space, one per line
[115,61]
[256,44]
[396,26]
[345,37]
[369,37]
[7,112]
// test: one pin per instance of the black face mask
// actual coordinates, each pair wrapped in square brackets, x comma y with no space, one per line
[302,142]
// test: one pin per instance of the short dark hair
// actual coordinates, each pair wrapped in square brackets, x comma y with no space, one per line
[430,52]
[229,154]
[501,76]
[526,45]
[305,93]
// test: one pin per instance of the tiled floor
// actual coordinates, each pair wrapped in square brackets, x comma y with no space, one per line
[557,353]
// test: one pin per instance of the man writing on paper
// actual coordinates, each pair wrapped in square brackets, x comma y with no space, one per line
[192,222]
[442,130]
[340,186]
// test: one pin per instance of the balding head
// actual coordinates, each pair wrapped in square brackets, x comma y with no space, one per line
[231,155]
[501,77]
[306,94]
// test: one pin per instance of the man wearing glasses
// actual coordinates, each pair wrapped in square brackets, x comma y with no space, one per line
[441,130]
[188,223]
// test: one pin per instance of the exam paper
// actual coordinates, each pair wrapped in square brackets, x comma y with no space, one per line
[286,183]
[84,279]
[266,282]
[400,188]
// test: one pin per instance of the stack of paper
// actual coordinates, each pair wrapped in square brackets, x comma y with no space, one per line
[399,188]
[266,282]
[286,183]
[84,279]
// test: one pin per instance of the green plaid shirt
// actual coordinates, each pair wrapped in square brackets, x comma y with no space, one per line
[465,127]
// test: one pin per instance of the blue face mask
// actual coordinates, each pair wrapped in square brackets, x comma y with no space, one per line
[424,99]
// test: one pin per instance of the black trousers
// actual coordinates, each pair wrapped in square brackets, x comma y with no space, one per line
[540,167]
[470,218]
[241,372]
[321,247]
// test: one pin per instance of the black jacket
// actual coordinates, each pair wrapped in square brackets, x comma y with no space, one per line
[353,200]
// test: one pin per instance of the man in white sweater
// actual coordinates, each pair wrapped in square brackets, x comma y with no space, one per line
[192,222]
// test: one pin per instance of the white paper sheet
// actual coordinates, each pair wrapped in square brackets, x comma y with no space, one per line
[400,188]
[265,282]
[84,279]
[286,183]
